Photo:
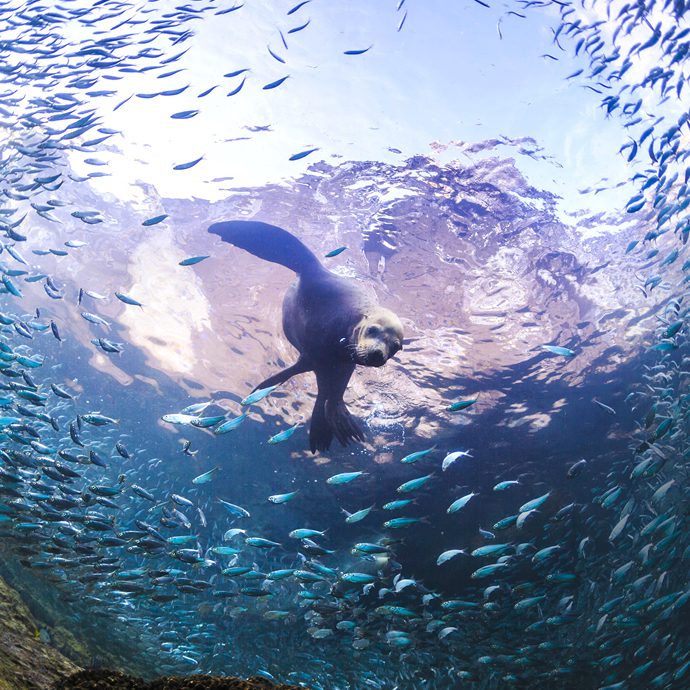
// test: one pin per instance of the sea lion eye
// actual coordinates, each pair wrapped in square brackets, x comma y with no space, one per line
[373,330]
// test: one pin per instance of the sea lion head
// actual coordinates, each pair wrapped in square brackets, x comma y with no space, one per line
[376,337]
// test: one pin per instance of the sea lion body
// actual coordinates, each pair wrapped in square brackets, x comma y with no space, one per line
[330,320]
[318,312]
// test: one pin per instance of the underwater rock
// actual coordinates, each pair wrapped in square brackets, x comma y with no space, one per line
[50,614]
[99,679]
[26,662]
[102,679]
[216,683]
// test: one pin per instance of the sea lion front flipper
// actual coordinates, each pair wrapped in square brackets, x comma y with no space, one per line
[299,367]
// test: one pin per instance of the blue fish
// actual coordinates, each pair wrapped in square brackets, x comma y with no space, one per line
[155,220]
[206,476]
[192,260]
[335,252]
[303,154]
[187,166]
[274,84]
[184,114]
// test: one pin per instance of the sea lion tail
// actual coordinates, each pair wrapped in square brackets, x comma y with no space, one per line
[268,242]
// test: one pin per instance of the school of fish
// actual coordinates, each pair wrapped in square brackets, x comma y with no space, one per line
[578,594]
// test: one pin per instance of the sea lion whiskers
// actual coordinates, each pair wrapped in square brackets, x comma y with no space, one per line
[357,354]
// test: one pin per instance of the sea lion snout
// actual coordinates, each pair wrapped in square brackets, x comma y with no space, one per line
[376,358]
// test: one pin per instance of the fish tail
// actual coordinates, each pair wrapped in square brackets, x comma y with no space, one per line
[268,242]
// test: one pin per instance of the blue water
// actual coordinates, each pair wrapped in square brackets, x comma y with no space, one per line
[485,262]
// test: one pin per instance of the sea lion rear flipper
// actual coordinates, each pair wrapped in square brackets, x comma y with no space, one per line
[320,434]
[299,367]
[342,423]
[330,415]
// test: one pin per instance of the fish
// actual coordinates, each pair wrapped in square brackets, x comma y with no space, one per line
[236,73]
[452,457]
[575,469]
[506,484]
[414,484]
[360,51]
[414,457]
[193,260]
[369,548]
[448,555]
[397,505]
[229,425]
[97,419]
[401,522]
[460,503]
[225,550]
[235,510]
[358,578]
[335,252]
[283,498]
[184,114]
[191,164]
[155,220]
[461,405]
[257,395]
[261,543]
[173,418]
[558,350]
[302,154]
[296,8]
[206,476]
[343,478]
[485,534]
[357,516]
[140,491]
[492,550]
[604,407]
[284,435]
[275,84]
[488,570]
[206,422]
[108,345]
[238,88]
[128,300]
[305,533]
[195,408]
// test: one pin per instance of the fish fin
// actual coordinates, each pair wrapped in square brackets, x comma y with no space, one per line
[299,367]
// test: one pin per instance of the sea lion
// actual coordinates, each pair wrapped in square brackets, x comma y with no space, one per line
[330,320]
